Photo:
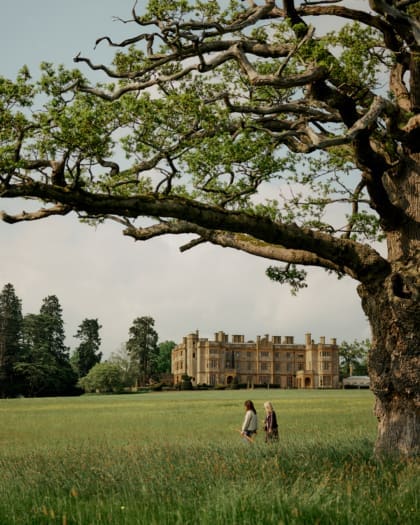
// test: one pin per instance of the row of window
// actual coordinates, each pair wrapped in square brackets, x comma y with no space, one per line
[264,367]
[262,354]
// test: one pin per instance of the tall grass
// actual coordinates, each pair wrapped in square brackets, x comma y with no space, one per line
[177,458]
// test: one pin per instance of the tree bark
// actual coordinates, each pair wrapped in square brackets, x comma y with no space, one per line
[394,365]
[393,308]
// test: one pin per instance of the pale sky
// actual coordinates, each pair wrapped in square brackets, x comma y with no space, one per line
[99,273]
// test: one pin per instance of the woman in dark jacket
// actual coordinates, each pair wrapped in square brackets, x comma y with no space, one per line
[270,423]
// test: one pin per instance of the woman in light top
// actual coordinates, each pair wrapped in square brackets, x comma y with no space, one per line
[270,423]
[250,424]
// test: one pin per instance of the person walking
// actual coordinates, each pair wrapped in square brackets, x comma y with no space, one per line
[270,423]
[250,423]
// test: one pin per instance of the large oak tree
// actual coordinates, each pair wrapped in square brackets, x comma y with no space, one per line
[253,126]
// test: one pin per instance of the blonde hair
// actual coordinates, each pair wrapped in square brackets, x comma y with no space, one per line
[268,407]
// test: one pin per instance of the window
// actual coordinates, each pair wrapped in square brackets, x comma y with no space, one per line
[325,365]
[277,367]
[325,381]
[264,367]
[264,354]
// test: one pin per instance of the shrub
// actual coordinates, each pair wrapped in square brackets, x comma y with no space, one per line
[103,377]
[186,383]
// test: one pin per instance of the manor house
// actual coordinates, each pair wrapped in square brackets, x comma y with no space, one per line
[272,360]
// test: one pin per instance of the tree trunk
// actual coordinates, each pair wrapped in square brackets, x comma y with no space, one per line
[394,366]
[393,309]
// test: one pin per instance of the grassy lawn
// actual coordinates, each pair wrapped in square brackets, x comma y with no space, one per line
[177,458]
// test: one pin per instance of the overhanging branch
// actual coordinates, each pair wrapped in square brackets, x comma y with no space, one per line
[237,241]
[36,215]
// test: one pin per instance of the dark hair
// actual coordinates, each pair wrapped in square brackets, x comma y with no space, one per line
[250,406]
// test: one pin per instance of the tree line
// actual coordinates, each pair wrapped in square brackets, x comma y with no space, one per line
[35,361]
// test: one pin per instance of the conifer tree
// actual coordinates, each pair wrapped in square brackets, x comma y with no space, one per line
[87,353]
[10,341]
[142,348]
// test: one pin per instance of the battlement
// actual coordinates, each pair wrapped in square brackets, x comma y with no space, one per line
[222,337]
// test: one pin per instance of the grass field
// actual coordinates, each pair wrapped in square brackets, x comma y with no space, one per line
[177,458]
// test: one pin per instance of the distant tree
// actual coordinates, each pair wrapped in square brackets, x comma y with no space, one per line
[122,359]
[52,328]
[87,353]
[103,377]
[37,366]
[46,366]
[10,340]
[164,357]
[353,357]
[142,348]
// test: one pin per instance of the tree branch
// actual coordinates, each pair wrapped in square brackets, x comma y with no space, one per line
[358,260]
[42,213]
[401,20]
[238,241]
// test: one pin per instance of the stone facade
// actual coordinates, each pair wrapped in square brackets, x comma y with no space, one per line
[272,360]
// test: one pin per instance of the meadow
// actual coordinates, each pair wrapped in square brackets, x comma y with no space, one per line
[173,458]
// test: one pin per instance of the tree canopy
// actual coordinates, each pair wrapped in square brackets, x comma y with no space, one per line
[87,353]
[11,320]
[143,348]
[286,129]
[353,357]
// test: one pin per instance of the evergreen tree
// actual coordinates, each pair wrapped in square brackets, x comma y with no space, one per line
[52,328]
[87,353]
[47,367]
[37,366]
[10,341]
[142,347]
